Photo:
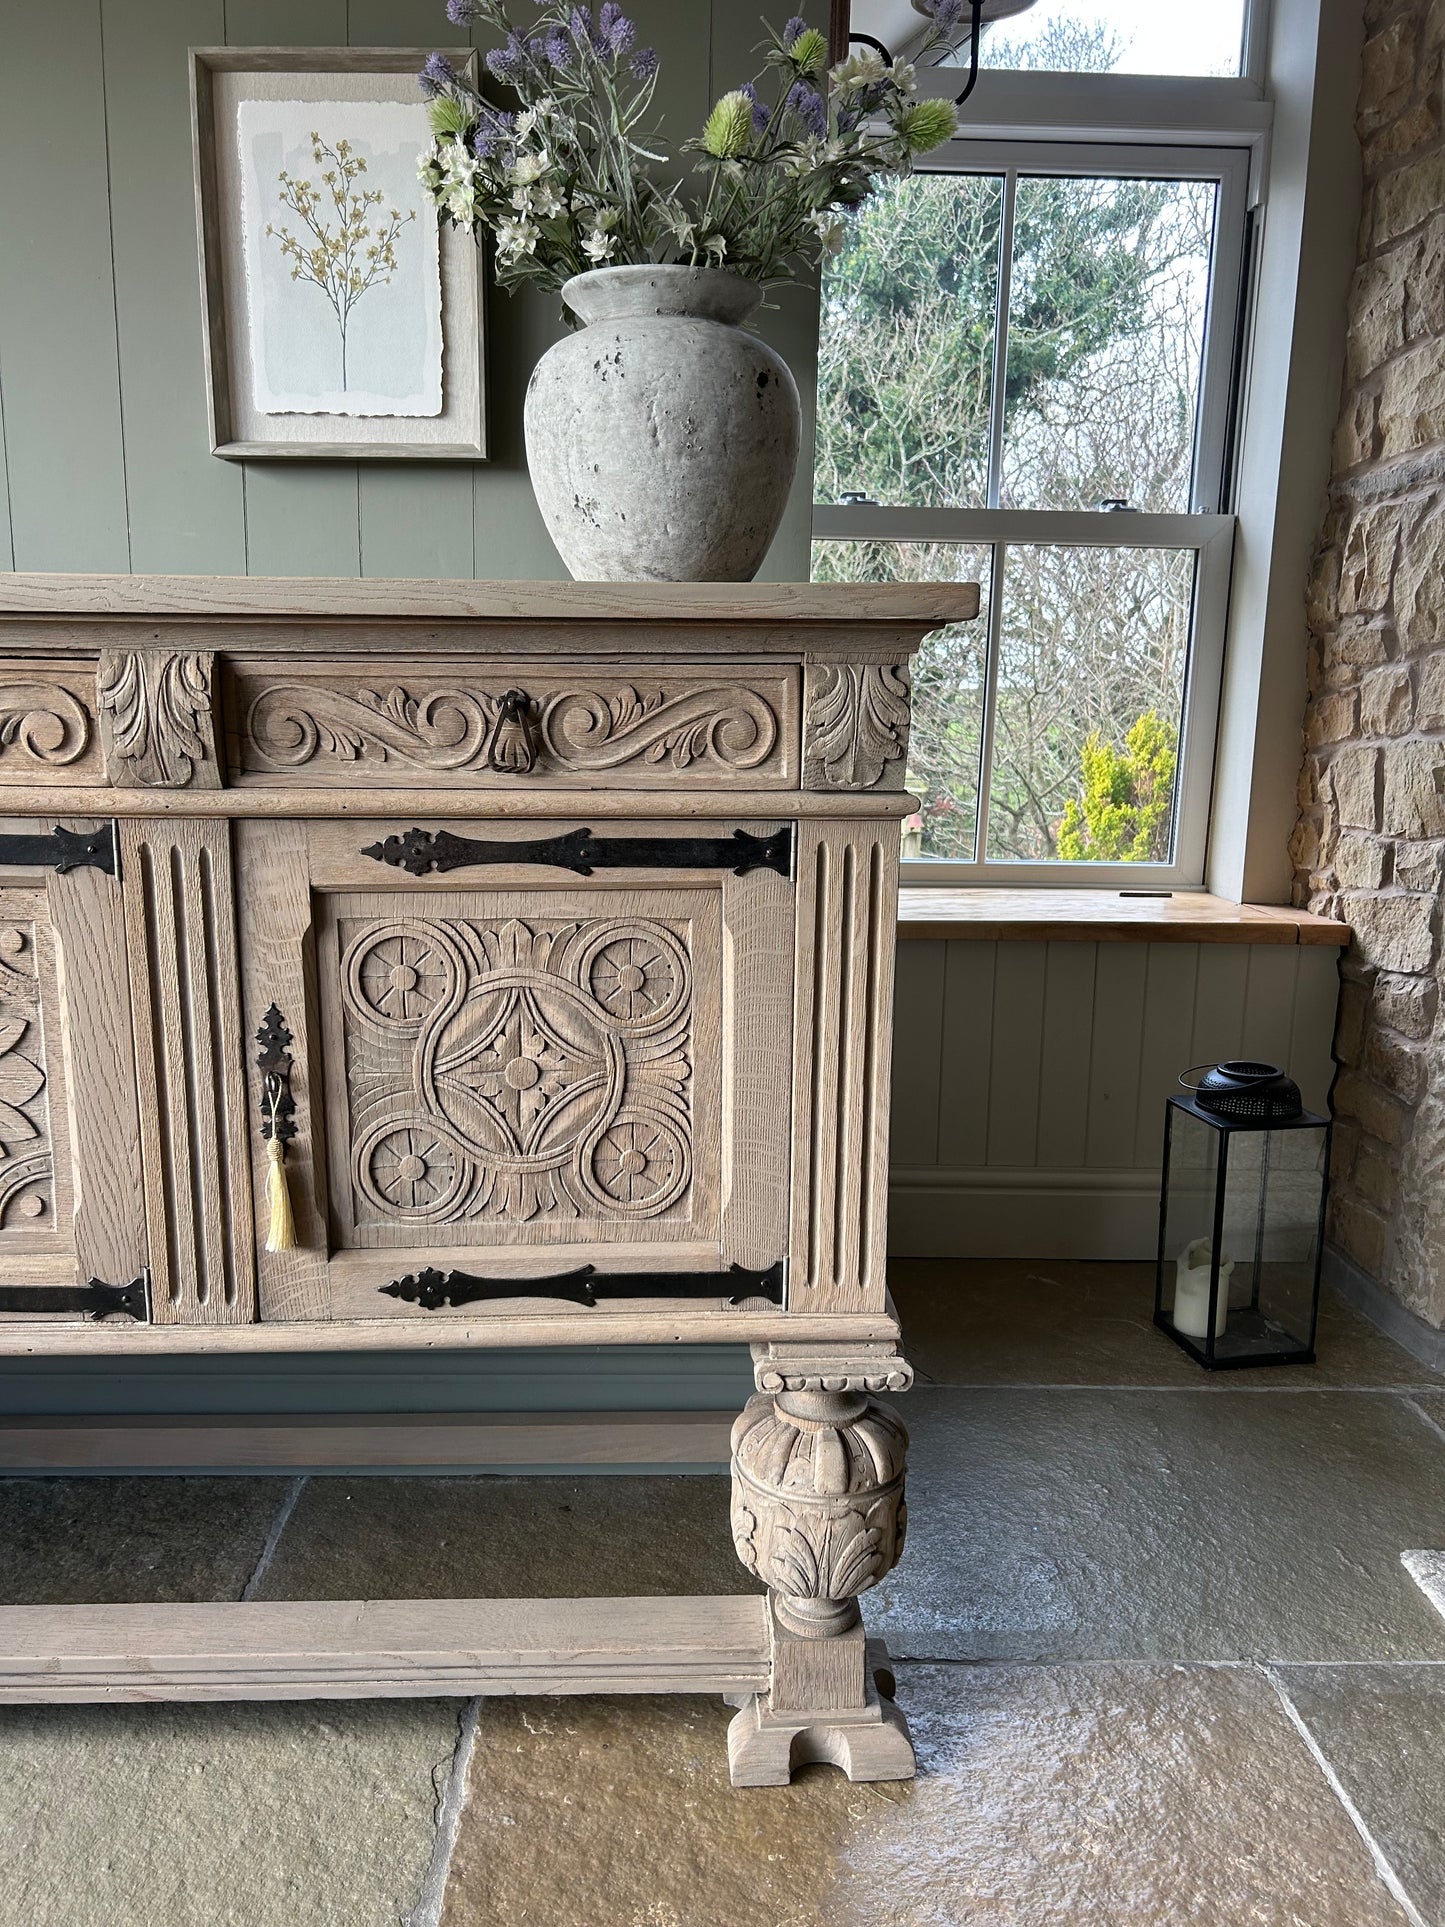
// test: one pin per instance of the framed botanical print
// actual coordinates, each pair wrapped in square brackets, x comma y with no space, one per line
[342,319]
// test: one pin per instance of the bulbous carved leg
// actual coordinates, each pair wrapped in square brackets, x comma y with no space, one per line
[818,1515]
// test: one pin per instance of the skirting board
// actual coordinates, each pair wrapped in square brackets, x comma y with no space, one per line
[1372,1301]
[999,1212]
[370,1442]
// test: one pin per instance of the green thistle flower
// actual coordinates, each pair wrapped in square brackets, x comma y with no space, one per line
[809,53]
[927,124]
[729,127]
[447,116]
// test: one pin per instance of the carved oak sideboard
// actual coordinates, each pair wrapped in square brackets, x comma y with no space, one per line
[398,964]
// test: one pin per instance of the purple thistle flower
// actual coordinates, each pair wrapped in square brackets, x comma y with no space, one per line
[947,13]
[808,106]
[557,47]
[847,120]
[615,32]
[580,22]
[493,132]
[645,63]
[506,63]
[462,12]
[760,111]
[795,27]
[437,75]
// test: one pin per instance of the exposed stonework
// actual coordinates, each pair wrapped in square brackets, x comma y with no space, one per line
[1370,846]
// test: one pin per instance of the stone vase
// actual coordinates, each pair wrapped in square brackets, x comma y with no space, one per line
[662,437]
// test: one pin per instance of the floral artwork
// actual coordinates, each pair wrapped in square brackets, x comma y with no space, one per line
[573,177]
[343,282]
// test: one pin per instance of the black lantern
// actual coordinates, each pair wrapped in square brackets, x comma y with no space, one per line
[976,15]
[1241,1218]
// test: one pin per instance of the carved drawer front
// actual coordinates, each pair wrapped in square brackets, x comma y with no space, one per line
[406,722]
[507,1071]
[72,1240]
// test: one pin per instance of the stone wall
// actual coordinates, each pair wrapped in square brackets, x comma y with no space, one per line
[1371,838]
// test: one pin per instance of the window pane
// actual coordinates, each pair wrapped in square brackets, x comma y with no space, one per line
[948,687]
[1120,37]
[1106,336]
[905,356]
[1089,704]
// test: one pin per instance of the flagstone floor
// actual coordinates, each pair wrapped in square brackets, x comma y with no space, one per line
[1161,1659]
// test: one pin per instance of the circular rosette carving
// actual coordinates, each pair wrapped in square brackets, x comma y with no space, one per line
[525,1072]
[410,1171]
[817,1506]
[637,973]
[397,975]
[638,1166]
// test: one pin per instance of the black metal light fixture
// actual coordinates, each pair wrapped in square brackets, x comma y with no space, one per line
[1241,1218]
[980,14]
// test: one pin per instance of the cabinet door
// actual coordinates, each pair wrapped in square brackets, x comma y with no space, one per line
[70,1187]
[513,1070]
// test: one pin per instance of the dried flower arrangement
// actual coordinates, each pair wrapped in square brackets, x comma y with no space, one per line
[569,181]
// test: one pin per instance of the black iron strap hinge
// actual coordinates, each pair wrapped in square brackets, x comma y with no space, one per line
[427,852]
[587,1286]
[63,850]
[94,1300]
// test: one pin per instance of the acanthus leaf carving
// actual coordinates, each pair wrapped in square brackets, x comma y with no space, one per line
[158,719]
[44,721]
[857,723]
[730,727]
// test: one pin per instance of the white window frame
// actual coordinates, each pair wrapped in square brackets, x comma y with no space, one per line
[1167,127]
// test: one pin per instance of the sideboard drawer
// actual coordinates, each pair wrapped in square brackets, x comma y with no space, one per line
[414,720]
[514,1068]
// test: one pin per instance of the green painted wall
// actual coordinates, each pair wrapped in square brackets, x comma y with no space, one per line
[105,465]
[104,455]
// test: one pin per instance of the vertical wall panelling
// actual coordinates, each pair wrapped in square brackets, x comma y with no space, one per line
[7,552]
[302,518]
[966,1052]
[1219,997]
[917,1060]
[1018,1022]
[57,299]
[416,518]
[1113,1086]
[185,506]
[790,322]
[1166,1041]
[1269,1000]
[1067,1048]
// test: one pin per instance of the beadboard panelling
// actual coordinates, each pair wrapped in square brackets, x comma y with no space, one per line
[105,459]
[1030,1079]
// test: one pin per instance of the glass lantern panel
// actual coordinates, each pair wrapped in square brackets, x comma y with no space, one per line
[1270,1243]
[1189,1226]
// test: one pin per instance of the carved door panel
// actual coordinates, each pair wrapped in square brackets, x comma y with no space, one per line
[506,1070]
[70,1195]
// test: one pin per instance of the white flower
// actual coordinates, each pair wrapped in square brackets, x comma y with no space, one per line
[599,246]
[547,203]
[829,230]
[457,201]
[902,74]
[527,168]
[715,246]
[858,72]
[516,238]
[532,117]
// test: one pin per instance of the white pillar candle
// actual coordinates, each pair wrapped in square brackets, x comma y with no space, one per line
[1191,1290]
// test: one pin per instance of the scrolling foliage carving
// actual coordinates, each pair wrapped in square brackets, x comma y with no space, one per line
[602,726]
[44,722]
[858,719]
[157,719]
[26,1156]
[532,1071]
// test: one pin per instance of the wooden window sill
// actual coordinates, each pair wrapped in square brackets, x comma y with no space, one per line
[1104,916]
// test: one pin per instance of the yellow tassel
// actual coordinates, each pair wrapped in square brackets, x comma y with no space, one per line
[282,1234]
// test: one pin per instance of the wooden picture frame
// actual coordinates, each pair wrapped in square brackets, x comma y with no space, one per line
[221,79]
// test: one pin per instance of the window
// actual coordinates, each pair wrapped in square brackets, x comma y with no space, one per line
[1121,37]
[1026,378]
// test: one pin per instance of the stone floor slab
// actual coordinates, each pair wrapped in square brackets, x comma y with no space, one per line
[503,1538]
[220,1816]
[1093,1796]
[1382,1729]
[1003,1321]
[108,1541]
[1164,1525]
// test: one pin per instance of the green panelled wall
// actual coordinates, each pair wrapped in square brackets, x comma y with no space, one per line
[104,456]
